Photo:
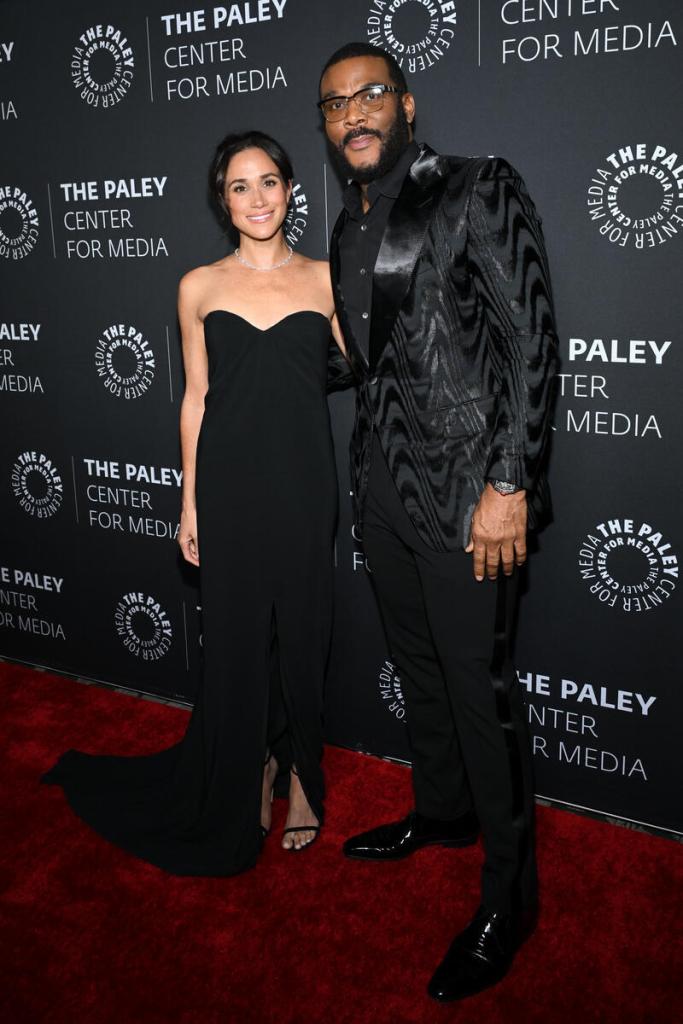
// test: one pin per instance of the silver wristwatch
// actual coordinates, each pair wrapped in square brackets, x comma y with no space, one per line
[503,487]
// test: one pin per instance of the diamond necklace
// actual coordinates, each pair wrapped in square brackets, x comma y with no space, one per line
[251,266]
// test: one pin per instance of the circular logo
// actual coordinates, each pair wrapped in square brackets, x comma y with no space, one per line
[416,32]
[390,691]
[102,66]
[143,625]
[124,361]
[636,199]
[37,484]
[18,223]
[297,215]
[628,565]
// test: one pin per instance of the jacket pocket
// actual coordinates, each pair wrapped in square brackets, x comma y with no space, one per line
[466,420]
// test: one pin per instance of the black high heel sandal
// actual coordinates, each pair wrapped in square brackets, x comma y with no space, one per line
[301,828]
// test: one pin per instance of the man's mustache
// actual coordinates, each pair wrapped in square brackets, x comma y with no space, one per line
[356,133]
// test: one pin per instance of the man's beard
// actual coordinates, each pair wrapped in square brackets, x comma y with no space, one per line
[393,142]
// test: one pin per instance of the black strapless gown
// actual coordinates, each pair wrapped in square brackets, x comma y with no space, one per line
[266,504]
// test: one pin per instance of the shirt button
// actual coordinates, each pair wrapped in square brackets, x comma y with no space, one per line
[362,270]
[364,227]
[373,380]
[365,315]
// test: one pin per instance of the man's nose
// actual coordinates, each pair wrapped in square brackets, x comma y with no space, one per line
[353,115]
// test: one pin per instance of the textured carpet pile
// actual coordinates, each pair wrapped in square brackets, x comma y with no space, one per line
[91,935]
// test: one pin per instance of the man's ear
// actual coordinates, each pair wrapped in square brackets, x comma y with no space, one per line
[408,101]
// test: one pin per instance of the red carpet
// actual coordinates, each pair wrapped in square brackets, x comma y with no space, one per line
[91,935]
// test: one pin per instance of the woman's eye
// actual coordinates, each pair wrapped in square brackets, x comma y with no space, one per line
[270,182]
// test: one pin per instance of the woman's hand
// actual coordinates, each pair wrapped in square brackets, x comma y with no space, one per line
[187,536]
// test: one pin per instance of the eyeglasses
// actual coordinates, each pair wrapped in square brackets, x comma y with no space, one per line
[367,100]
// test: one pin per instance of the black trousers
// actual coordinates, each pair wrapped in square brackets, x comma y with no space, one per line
[449,637]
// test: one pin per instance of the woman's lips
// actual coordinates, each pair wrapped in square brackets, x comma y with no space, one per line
[259,218]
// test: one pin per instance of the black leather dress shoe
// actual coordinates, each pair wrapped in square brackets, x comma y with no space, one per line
[401,838]
[481,955]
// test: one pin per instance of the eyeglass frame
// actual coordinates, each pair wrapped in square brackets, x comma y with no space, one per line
[373,85]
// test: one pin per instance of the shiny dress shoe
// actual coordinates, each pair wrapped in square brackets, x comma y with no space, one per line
[481,955]
[401,838]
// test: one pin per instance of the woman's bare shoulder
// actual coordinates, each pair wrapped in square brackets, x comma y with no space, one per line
[322,272]
[315,266]
[319,271]
[194,283]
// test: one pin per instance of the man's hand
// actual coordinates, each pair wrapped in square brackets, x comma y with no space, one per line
[498,533]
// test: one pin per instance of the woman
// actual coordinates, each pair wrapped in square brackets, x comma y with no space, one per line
[259,502]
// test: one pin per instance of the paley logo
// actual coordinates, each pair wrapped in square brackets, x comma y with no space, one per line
[102,66]
[297,215]
[628,565]
[592,412]
[416,32]
[143,626]
[110,231]
[11,359]
[617,350]
[124,361]
[390,690]
[637,199]
[8,111]
[37,484]
[18,223]
[21,593]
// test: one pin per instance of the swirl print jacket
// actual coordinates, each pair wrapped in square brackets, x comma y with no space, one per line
[463,347]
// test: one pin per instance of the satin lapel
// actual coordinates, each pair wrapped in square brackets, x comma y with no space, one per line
[355,354]
[401,245]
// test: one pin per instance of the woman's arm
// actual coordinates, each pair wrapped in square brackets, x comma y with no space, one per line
[337,334]
[339,373]
[192,409]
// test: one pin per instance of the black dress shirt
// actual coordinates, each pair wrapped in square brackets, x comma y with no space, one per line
[361,238]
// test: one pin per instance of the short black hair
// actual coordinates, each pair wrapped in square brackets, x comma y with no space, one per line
[235,143]
[350,50]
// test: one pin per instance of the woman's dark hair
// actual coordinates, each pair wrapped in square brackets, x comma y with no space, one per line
[235,143]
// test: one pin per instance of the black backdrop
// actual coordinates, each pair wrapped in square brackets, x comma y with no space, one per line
[109,113]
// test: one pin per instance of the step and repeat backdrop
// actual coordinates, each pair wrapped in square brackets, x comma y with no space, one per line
[109,114]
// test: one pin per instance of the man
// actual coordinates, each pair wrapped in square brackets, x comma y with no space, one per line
[442,290]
